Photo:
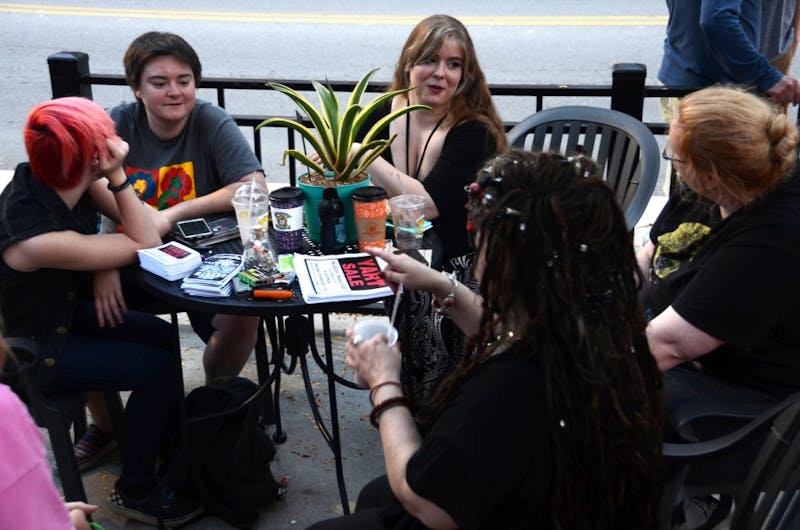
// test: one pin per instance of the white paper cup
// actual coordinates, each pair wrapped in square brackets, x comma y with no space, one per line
[367,327]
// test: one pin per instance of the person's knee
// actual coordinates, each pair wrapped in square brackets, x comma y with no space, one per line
[236,328]
[235,323]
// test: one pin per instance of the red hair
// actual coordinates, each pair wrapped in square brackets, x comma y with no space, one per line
[63,136]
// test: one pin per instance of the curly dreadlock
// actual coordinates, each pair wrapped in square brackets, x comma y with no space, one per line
[560,275]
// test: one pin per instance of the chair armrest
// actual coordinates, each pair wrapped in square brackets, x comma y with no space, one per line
[682,417]
[685,452]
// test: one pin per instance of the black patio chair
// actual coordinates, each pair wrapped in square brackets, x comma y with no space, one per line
[622,145]
[59,413]
[766,451]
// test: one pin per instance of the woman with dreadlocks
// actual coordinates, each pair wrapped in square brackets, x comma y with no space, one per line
[553,418]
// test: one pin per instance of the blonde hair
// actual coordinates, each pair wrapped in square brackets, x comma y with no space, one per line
[742,139]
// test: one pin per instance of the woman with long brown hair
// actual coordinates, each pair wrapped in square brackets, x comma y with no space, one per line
[553,418]
[435,154]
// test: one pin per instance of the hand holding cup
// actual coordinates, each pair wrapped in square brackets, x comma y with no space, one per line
[371,351]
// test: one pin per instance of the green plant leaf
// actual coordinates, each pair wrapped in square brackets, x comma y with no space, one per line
[305,132]
[360,88]
[346,137]
[333,134]
[330,107]
[383,122]
[366,154]
[326,140]
[303,159]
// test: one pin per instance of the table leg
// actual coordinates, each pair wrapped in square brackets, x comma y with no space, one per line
[268,413]
[302,329]
[337,443]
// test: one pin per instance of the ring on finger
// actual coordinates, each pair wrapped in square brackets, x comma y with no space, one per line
[356,340]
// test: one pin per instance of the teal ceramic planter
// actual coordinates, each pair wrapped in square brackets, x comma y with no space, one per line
[311,208]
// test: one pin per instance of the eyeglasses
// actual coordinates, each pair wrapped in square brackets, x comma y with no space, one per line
[669,155]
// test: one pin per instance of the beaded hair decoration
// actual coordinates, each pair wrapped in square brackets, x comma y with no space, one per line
[488,186]
[482,193]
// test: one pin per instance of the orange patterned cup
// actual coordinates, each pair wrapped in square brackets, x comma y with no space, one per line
[370,208]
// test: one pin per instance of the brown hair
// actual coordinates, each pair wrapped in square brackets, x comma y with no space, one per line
[472,99]
[152,44]
[560,277]
[740,138]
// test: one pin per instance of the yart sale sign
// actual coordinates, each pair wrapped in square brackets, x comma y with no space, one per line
[340,277]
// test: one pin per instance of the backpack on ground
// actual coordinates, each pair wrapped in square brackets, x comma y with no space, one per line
[224,460]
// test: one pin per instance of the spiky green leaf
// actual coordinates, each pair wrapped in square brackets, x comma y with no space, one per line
[366,154]
[383,122]
[330,107]
[360,88]
[303,159]
[317,120]
[346,136]
[323,153]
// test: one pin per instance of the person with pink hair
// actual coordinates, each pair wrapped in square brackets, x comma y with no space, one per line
[48,246]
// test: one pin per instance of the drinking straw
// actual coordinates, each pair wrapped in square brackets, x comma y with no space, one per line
[252,192]
[396,303]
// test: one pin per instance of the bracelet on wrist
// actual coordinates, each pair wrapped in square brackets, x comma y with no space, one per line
[449,300]
[383,406]
[374,390]
[118,188]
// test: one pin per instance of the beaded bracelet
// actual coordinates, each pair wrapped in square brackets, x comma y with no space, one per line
[450,299]
[375,388]
[119,188]
[379,409]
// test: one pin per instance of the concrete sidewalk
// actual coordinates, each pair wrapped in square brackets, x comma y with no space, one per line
[305,457]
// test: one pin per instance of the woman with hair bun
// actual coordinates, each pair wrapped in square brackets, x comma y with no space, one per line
[722,263]
[723,283]
[722,266]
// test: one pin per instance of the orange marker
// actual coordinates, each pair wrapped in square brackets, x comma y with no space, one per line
[272,294]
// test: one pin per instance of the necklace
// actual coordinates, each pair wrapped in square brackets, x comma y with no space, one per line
[425,147]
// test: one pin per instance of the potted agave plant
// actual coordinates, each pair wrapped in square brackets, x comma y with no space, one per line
[332,136]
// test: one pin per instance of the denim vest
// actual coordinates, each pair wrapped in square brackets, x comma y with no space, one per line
[40,304]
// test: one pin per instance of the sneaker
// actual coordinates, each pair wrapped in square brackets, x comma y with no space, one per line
[173,509]
[93,447]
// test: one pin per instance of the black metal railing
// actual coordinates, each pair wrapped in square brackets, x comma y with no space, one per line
[70,76]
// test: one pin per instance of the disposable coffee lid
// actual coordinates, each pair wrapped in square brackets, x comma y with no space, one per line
[250,192]
[287,193]
[369,194]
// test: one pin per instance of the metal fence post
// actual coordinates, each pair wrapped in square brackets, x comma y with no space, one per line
[66,72]
[627,88]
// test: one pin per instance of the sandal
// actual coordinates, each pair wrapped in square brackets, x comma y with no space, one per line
[94,446]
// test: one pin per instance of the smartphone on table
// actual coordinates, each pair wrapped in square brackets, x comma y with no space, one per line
[194,228]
